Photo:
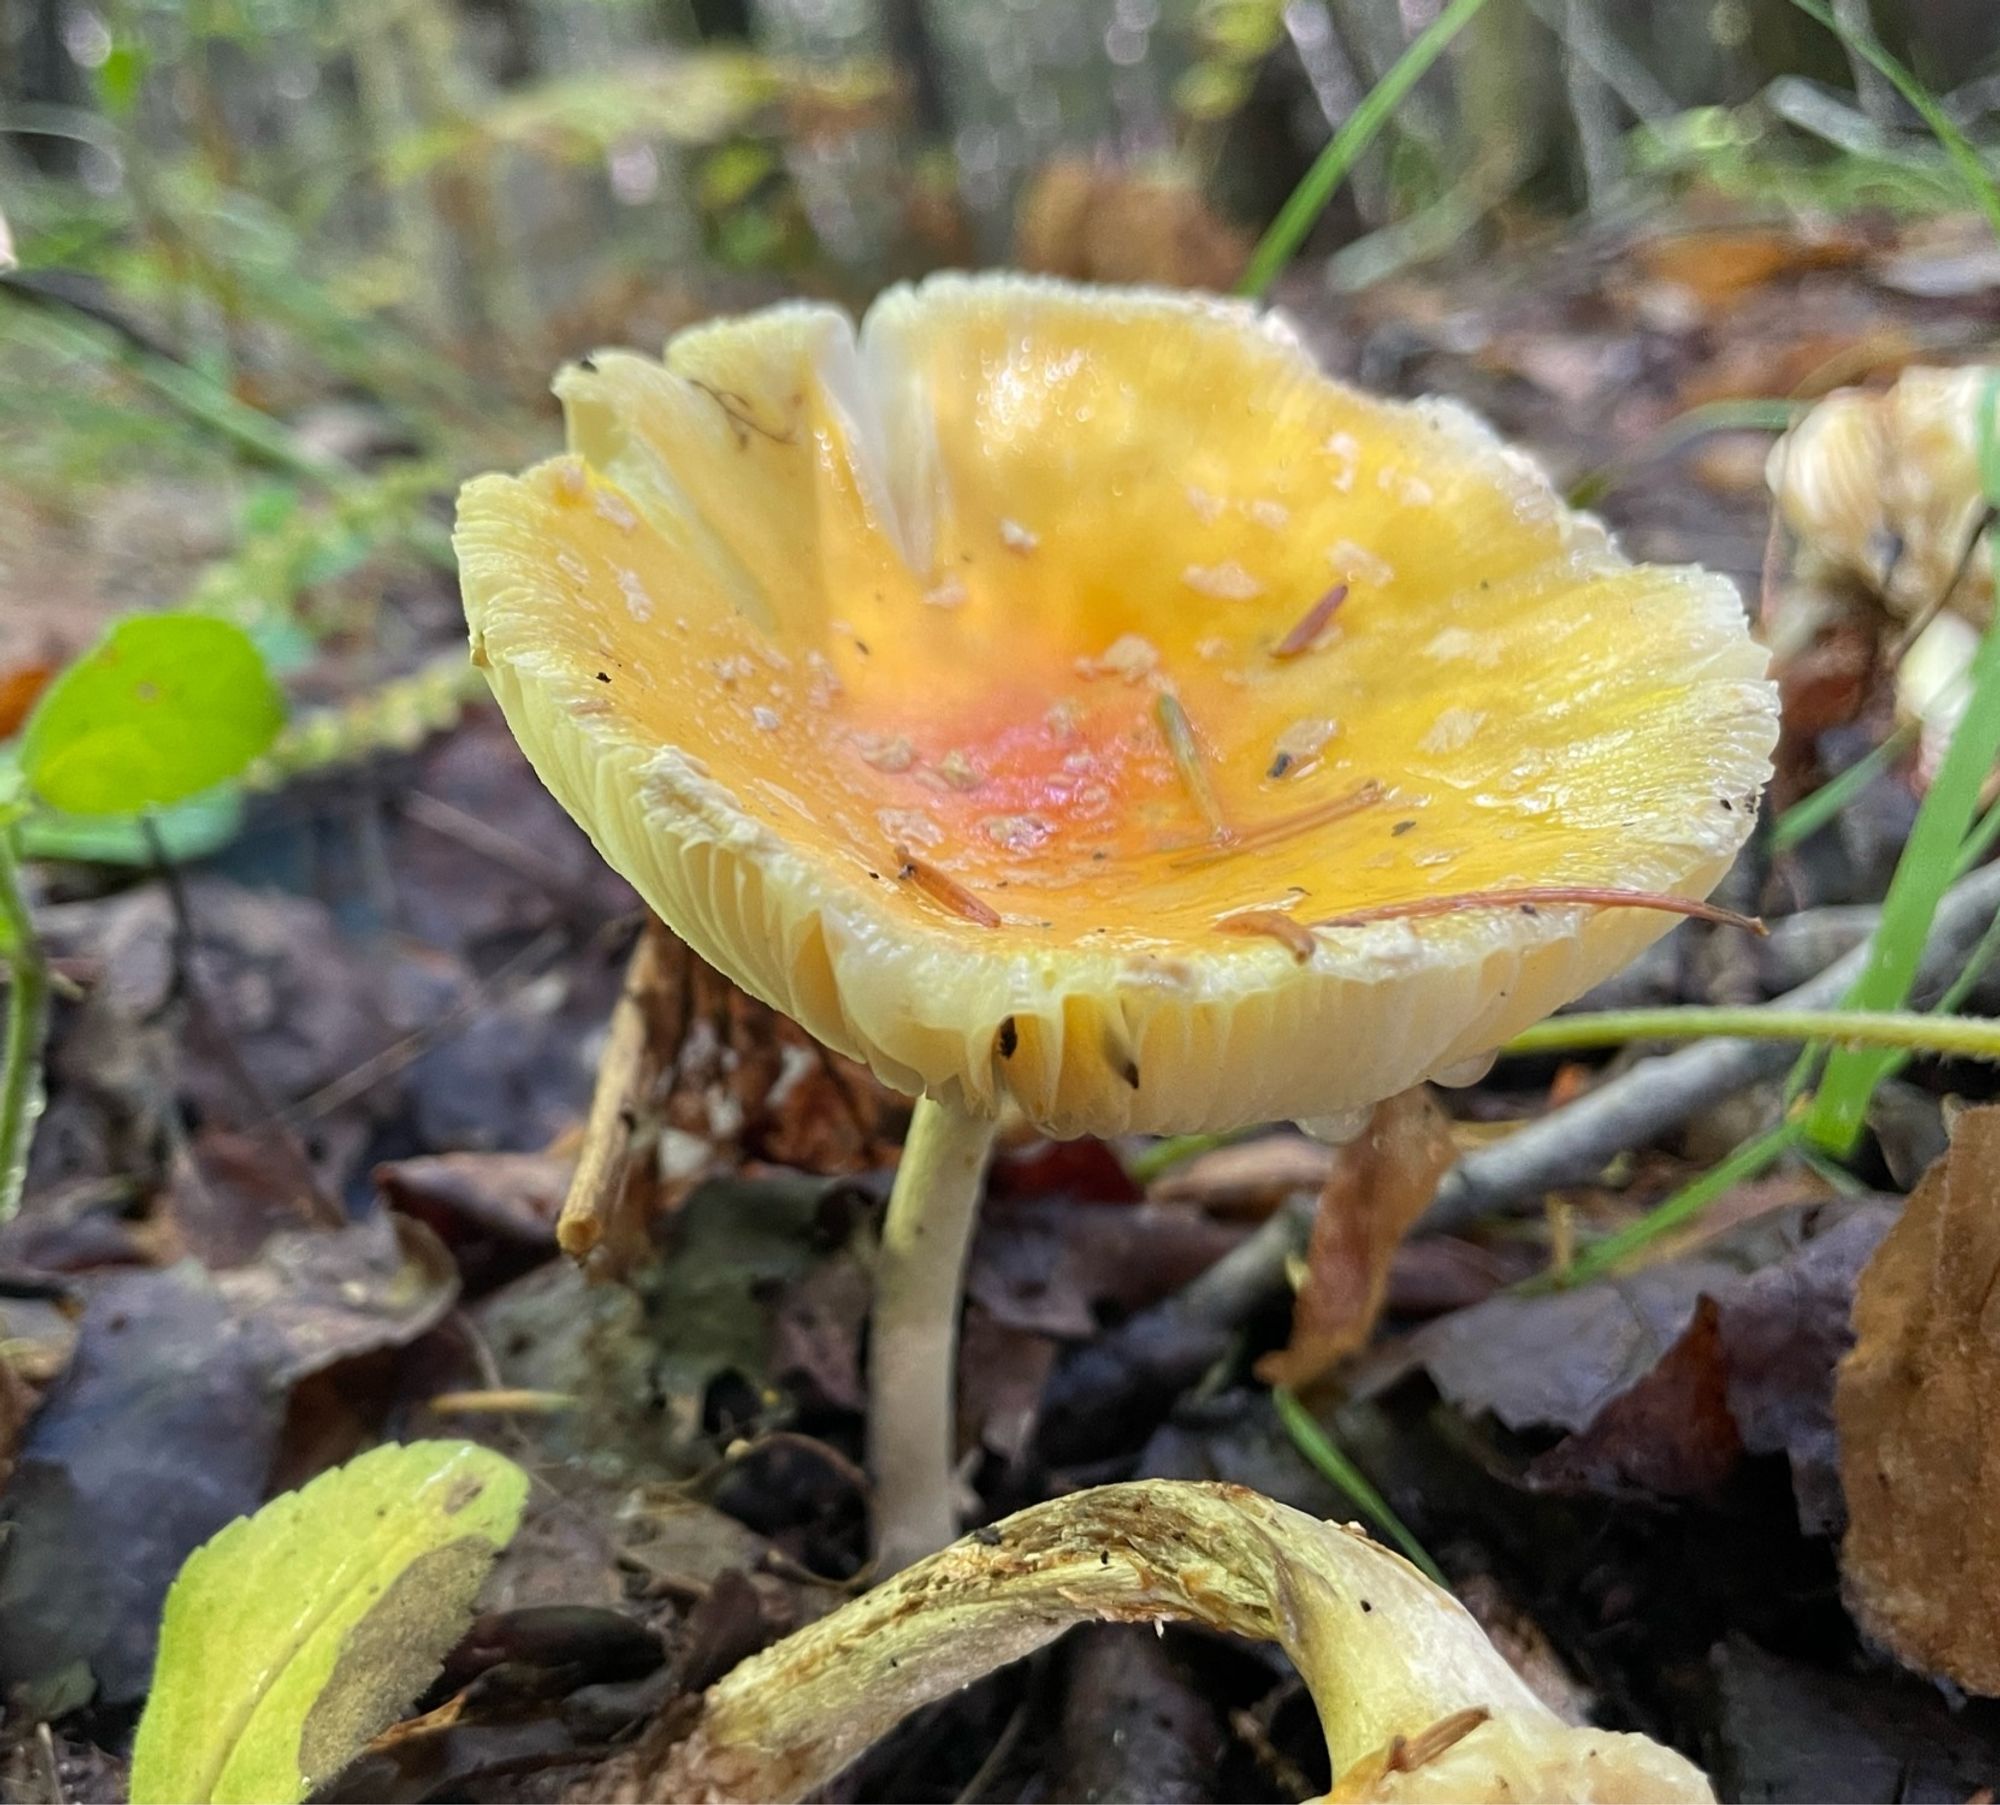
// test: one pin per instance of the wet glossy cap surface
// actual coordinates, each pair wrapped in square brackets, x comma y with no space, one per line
[950,685]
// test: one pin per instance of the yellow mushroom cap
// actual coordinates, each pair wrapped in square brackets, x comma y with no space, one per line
[948,683]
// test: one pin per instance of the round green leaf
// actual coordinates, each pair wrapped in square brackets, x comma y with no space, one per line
[162,707]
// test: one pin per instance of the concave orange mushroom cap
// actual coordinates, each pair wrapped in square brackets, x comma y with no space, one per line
[981,690]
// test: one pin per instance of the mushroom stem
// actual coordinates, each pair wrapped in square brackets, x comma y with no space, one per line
[913,1338]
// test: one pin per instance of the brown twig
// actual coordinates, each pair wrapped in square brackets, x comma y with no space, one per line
[452,823]
[944,890]
[598,1221]
[361,1079]
[323,1208]
[1311,624]
[1528,899]
[1572,1145]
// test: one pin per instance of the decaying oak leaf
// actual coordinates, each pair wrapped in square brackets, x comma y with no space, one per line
[1919,1452]
[1415,1702]
[697,1077]
[1381,1182]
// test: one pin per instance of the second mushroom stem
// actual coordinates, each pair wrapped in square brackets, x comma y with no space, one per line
[913,1336]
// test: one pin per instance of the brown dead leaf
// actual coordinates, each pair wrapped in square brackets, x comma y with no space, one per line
[1827,682]
[313,1299]
[1915,1406]
[1251,1178]
[1380,1184]
[1103,224]
[1004,1373]
[1060,1269]
[1719,264]
[1589,1361]
[816,1333]
[1670,1436]
[21,686]
[495,1212]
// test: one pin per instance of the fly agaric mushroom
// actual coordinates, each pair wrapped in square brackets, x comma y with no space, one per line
[1073,696]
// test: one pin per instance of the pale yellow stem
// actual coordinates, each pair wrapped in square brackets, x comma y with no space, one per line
[913,1338]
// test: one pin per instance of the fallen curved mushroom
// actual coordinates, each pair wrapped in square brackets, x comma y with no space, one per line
[1414,1701]
[989,689]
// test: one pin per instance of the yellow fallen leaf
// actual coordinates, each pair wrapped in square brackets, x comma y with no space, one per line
[294,1635]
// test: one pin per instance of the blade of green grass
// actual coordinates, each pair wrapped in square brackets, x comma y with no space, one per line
[1610,1255]
[1309,199]
[26,1026]
[1810,813]
[1908,1030]
[1965,158]
[1930,859]
[1318,1447]
[1160,1157]
[1979,842]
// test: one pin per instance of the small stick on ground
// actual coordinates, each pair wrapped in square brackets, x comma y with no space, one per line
[602,1220]
[1570,1146]
[324,1209]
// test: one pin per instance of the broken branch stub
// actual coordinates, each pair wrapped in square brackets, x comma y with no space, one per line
[696,1079]
[1415,1702]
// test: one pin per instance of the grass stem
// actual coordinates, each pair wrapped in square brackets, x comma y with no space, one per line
[1903,1030]
[26,1024]
[1333,1466]
[1317,188]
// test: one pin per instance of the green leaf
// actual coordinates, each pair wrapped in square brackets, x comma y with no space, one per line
[185,832]
[295,1635]
[120,76]
[162,707]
